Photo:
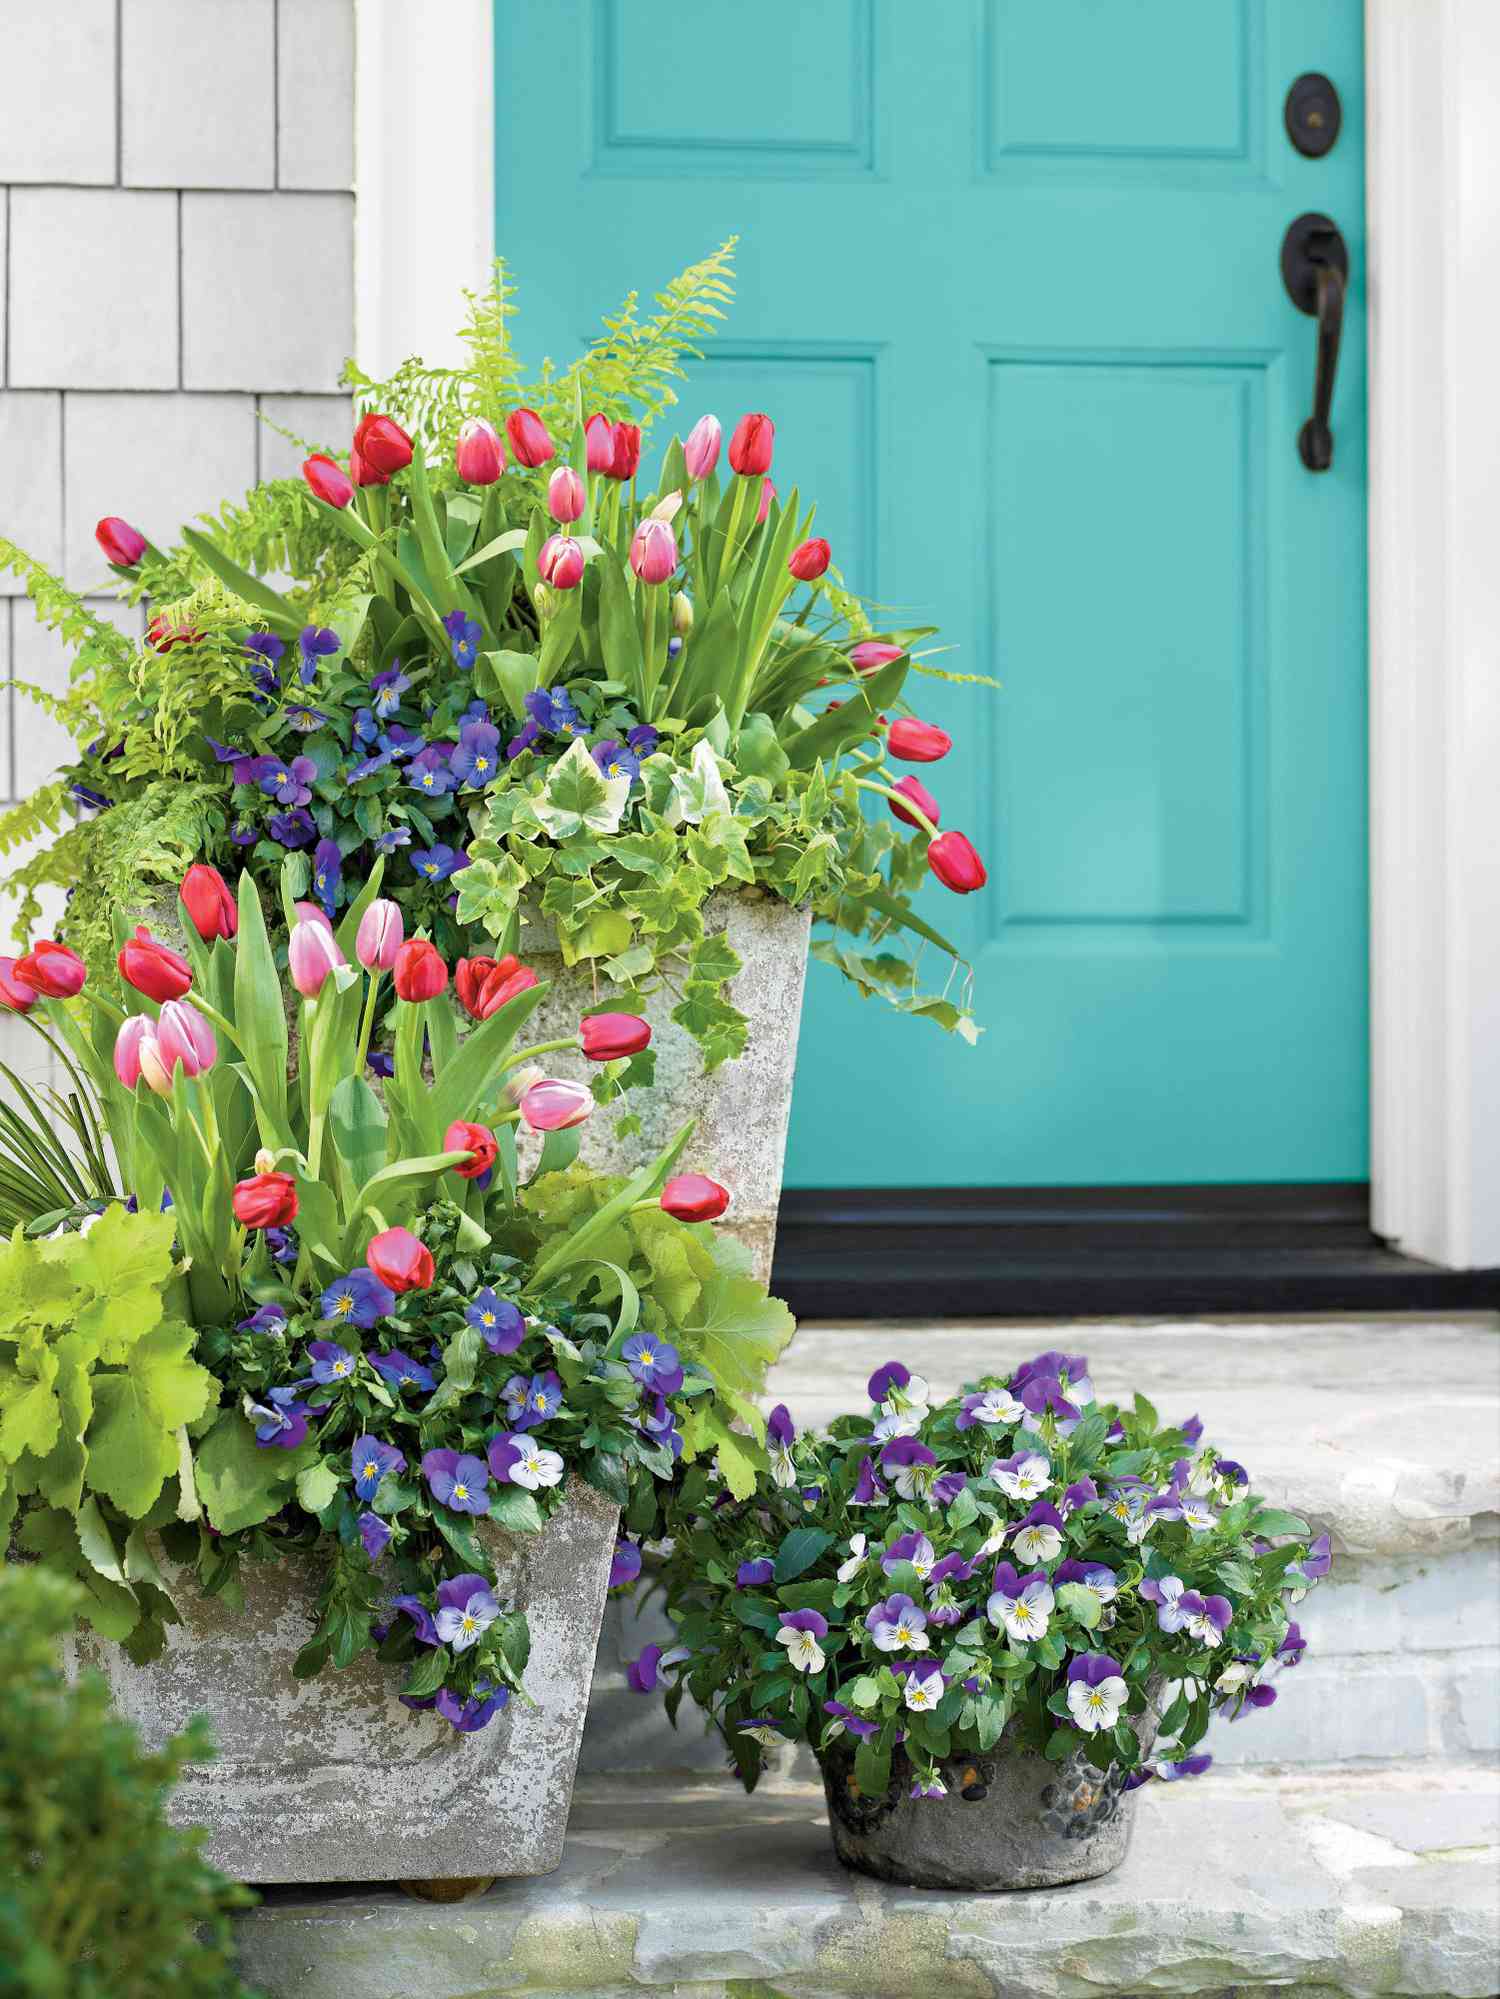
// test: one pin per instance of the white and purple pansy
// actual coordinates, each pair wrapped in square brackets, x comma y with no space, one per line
[1314,1565]
[1167,1592]
[1082,1492]
[799,1633]
[1179,1502]
[868,1491]
[910,1466]
[844,1718]
[466,1610]
[1045,1402]
[1039,1537]
[625,1563]
[1096,1691]
[897,1625]
[1125,1501]
[913,1548]
[850,1567]
[369,1461]
[1101,1582]
[643,1674]
[532,1402]
[1236,1676]
[766,1730]
[897,1423]
[1023,1478]
[943,1607]
[1208,1617]
[895,1389]
[924,1686]
[1020,1605]
[927,1783]
[1289,1652]
[1069,1369]
[994,1408]
[781,1434]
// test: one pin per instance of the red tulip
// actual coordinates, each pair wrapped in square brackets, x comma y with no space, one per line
[809,561]
[468,979]
[419,973]
[475,1139]
[51,969]
[625,451]
[329,482]
[560,562]
[123,545]
[400,1261]
[608,1037]
[382,444]
[266,1201]
[952,858]
[162,633]
[751,446]
[15,996]
[921,797]
[152,968]
[528,438]
[479,456]
[362,472]
[504,982]
[205,894]
[871,654]
[917,742]
[693,1197]
[565,494]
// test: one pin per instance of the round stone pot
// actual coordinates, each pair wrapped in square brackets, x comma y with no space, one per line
[1010,1820]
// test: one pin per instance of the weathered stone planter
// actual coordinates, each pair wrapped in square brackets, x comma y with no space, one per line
[742,1108]
[1010,1820]
[332,1779]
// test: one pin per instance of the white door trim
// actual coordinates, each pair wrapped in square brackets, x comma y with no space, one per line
[1432,71]
[425,229]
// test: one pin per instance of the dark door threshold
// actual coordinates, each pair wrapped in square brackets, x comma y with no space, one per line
[1053,1252]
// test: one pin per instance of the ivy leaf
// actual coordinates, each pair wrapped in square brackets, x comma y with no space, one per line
[1272,1520]
[698,790]
[579,795]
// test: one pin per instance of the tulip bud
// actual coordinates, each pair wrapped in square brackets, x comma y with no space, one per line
[210,907]
[420,973]
[311,955]
[265,1201]
[955,863]
[152,968]
[565,495]
[702,448]
[51,969]
[164,632]
[184,1036]
[682,613]
[810,560]
[653,551]
[400,1261]
[921,797]
[382,444]
[693,1197]
[751,446]
[871,654]
[475,1139]
[917,742]
[123,545]
[767,495]
[479,455]
[552,1105]
[133,1031]
[153,1070]
[528,438]
[625,454]
[15,997]
[313,912]
[599,442]
[520,1081]
[362,472]
[379,937]
[329,482]
[608,1037]
[560,561]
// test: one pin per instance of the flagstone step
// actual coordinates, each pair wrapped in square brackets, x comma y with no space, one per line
[1382,1882]
[1383,1432]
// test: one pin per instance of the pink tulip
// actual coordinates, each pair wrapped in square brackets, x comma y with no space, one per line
[312,912]
[599,442]
[871,654]
[810,560]
[153,1070]
[551,1105]
[702,448]
[767,495]
[123,545]
[311,956]
[653,551]
[380,933]
[565,494]
[184,1036]
[327,480]
[133,1032]
[560,562]
[479,455]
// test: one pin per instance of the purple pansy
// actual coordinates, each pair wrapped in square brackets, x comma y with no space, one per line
[476,761]
[913,1548]
[1293,1645]
[281,1420]
[1020,1604]
[868,1490]
[532,1402]
[625,1563]
[642,1674]
[291,829]
[471,1715]
[615,759]
[500,1324]
[1096,1691]
[643,738]
[327,870]
[414,1608]
[846,1718]
[264,1319]
[457,1480]
[392,838]
[438,862]
[466,1610]
[358,1299]
[464,634]
[374,1534]
[387,689]
[910,1466]
[655,1363]
[316,643]
[553,712]
[1082,1492]
[884,1379]
[370,1461]
[290,783]
[399,1370]
[755,1574]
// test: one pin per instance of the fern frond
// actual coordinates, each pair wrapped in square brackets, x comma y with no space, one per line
[31,818]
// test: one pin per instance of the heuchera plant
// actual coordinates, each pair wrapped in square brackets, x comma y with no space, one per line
[1021,1563]
[535,676]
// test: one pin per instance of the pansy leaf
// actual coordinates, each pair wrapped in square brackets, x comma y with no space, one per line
[872,1768]
[428,1674]
[516,1510]
[461,1538]
[1081,1604]
[799,1551]
[1272,1520]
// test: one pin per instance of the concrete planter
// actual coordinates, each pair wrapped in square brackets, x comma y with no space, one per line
[742,1108]
[332,1779]
[1010,1819]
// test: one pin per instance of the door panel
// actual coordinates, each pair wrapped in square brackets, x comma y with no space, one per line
[1008,282]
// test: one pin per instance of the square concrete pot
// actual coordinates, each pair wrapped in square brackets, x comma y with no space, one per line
[332,1779]
[743,1107]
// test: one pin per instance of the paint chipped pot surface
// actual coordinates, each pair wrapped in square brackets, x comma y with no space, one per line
[740,1109]
[332,1779]
[1010,1820]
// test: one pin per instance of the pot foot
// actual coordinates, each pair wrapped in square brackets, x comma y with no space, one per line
[459,1889]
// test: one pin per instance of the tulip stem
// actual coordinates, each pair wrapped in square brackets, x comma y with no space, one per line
[214,1018]
[541,1048]
[648,644]
[367,1022]
[907,805]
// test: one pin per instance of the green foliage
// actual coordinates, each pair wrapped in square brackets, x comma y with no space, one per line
[53,1161]
[99,1897]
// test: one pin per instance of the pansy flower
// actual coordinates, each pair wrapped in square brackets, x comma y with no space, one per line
[799,1633]
[868,1491]
[927,1783]
[553,711]
[1186,1766]
[358,1299]
[615,759]
[1043,1399]
[1208,1617]
[529,737]
[655,1363]
[909,1465]
[399,1370]
[369,1461]
[280,1421]
[437,863]
[469,1716]
[657,1422]
[457,1480]
[326,875]
[387,689]
[846,1718]
[1315,1564]
[316,643]
[304,719]
[1024,1477]
[755,1574]
[374,1535]
[924,1686]
[943,1607]
[476,760]
[392,838]
[291,829]
[282,1243]
[897,1625]
[264,1319]
[1293,1645]
[466,1610]
[500,1324]
[414,1608]
[331,1363]
[781,1434]
[530,1466]
[1178,1503]
[1039,1536]
[643,1674]
[364,728]
[1070,1368]
[1096,1691]
[1101,1582]
[1167,1593]
[1021,1605]
[532,1402]
[1082,1492]
[992,1407]
[464,634]
[290,783]
[643,739]
[850,1568]
[625,1563]
[896,1390]
[913,1548]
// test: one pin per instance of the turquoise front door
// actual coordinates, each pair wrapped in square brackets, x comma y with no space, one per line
[1009,284]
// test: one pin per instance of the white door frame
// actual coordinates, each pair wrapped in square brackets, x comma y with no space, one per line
[425,227]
